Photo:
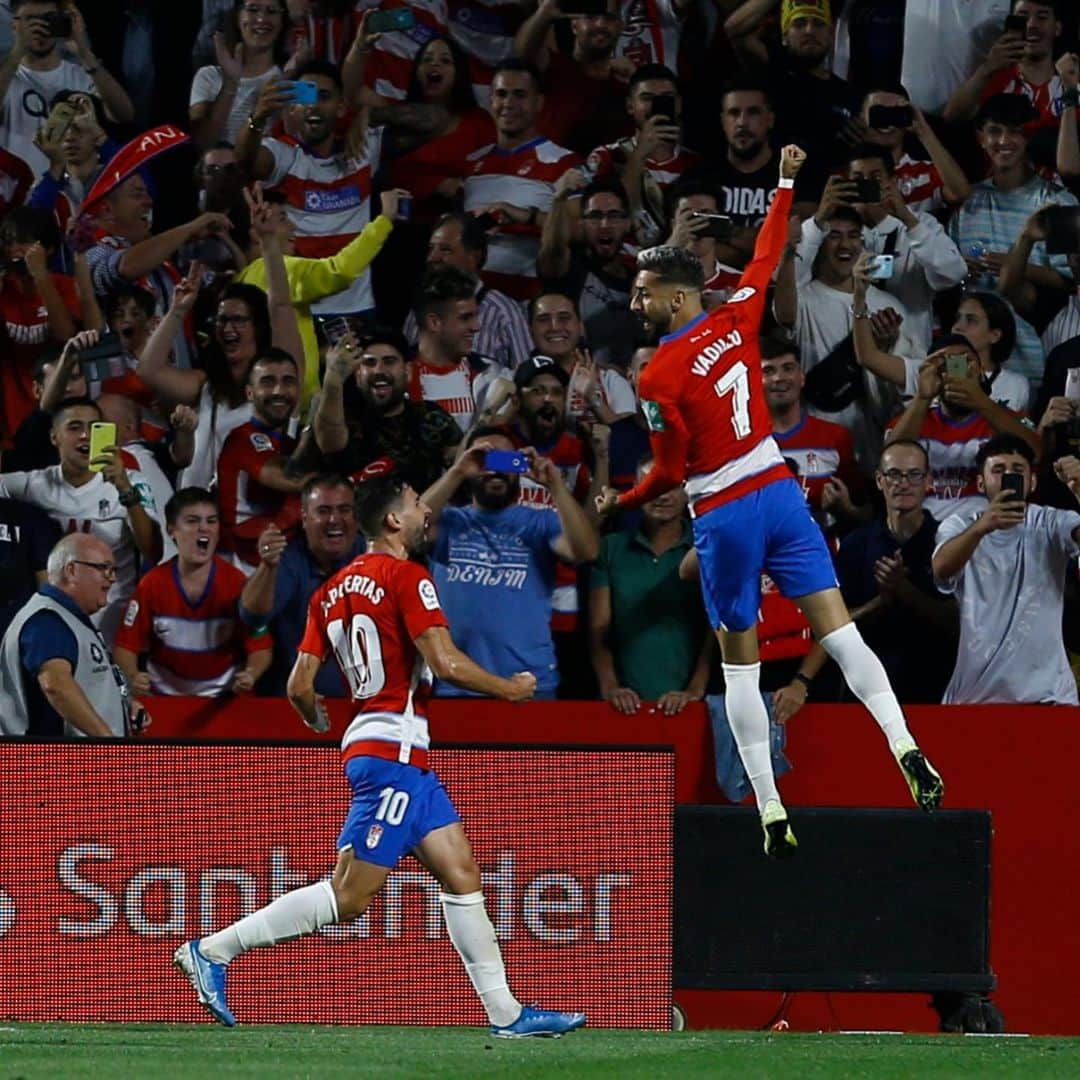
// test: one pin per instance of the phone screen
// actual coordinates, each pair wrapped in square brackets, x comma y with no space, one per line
[1013,483]
[506,461]
[102,435]
[956,365]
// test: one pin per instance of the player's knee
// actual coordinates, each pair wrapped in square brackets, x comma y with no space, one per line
[460,876]
[352,900]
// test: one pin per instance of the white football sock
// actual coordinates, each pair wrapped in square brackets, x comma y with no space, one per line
[474,938]
[749,720]
[302,911]
[866,676]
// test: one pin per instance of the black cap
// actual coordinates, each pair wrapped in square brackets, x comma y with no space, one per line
[539,365]
[953,339]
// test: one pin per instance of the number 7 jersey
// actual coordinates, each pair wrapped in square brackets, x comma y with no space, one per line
[703,397]
[368,617]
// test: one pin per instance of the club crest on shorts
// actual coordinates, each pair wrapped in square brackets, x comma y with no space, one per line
[374,835]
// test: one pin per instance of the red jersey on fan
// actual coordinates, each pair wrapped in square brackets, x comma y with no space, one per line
[821,449]
[16,179]
[195,647]
[1042,96]
[248,507]
[702,395]
[782,629]
[369,616]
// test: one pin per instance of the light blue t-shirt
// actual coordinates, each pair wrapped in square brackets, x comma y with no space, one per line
[495,571]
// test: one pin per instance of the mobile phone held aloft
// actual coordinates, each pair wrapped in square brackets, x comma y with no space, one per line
[867,189]
[304,92]
[585,7]
[663,105]
[880,267]
[956,365]
[1016,24]
[881,117]
[720,226]
[385,22]
[1062,229]
[102,436]
[506,461]
[1013,482]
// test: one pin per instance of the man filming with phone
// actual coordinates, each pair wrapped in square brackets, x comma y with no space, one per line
[1006,562]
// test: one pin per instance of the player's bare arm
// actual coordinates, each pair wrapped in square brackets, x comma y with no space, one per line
[301,692]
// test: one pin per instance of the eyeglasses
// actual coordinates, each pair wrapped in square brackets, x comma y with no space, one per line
[232,320]
[106,569]
[911,476]
[600,215]
[261,9]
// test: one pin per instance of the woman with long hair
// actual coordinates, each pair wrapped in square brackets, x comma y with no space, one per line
[251,50]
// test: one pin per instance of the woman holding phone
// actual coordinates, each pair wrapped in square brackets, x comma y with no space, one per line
[251,51]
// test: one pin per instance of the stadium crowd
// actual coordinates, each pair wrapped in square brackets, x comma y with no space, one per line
[402,235]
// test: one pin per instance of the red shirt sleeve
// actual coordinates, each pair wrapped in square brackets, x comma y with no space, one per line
[137,628]
[669,439]
[417,599]
[768,248]
[315,642]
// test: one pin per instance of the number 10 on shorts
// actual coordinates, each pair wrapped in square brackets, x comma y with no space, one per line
[392,806]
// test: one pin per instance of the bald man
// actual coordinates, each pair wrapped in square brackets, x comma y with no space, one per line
[56,675]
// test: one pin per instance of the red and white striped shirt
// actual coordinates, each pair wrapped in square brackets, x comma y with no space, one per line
[821,449]
[650,33]
[920,184]
[523,177]
[329,202]
[606,161]
[195,646]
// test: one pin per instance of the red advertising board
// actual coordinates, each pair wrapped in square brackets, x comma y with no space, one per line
[113,854]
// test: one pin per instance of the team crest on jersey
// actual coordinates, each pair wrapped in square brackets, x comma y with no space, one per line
[374,835]
[742,294]
[103,508]
[132,613]
[653,416]
[263,443]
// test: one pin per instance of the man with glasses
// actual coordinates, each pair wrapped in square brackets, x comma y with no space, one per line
[887,581]
[596,273]
[56,676]
[106,496]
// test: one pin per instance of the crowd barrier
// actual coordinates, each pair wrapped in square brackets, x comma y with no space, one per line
[1014,761]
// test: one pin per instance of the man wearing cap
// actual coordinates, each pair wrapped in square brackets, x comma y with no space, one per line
[813,106]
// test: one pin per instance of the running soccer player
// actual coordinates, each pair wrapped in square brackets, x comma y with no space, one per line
[709,426]
[380,618]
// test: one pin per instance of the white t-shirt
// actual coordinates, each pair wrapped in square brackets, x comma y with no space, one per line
[26,107]
[216,420]
[207,84]
[1011,593]
[944,41]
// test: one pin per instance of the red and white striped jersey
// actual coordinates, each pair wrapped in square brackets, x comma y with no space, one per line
[369,616]
[782,629]
[329,202]
[605,161]
[248,507]
[522,177]
[821,449]
[450,388]
[1043,96]
[650,33]
[920,184]
[195,647]
[702,395]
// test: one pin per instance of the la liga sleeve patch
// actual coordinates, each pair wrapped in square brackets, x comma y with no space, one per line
[654,417]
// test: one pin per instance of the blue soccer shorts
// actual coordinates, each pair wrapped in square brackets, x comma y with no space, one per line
[770,529]
[393,808]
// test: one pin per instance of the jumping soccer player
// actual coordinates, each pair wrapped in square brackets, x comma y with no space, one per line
[709,425]
[380,618]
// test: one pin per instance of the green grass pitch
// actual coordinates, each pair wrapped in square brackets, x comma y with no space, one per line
[101,1051]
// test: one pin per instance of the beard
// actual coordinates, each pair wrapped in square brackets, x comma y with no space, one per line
[496,500]
[806,60]
[747,152]
[547,422]
[397,396]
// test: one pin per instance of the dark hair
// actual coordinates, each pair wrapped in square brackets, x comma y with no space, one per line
[231,30]
[487,431]
[745,84]
[381,334]
[776,343]
[846,213]
[375,498]
[692,186]
[1012,110]
[473,237]
[605,187]
[16,4]
[462,98]
[142,297]
[325,480]
[186,497]
[897,88]
[96,103]
[27,224]
[74,403]
[1000,317]
[1003,444]
[914,443]
[516,63]
[651,73]
[321,67]
[673,266]
[441,286]
[222,386]
[273,355]
[530,307]
[1054,5]
[868,151]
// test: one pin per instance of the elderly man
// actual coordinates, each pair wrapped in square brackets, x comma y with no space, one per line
[56,677]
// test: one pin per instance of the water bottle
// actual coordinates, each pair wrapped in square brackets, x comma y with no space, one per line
[979,248]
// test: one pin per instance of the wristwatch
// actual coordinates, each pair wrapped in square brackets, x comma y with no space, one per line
[129,498]
[804,679]
[1070,98]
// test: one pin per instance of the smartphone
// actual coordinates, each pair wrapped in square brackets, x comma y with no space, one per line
[890,116]
[956,365]
[880,267]
[102,435]
[304,92]
[487,222]
[1072,384]
[97,362]
[585,7]
[663,105]
[720,226]
[404,207]
[1062,229]
[1013,482]
[385,22]
[868,190]
[58,23]
[1016,24]
[506,461]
